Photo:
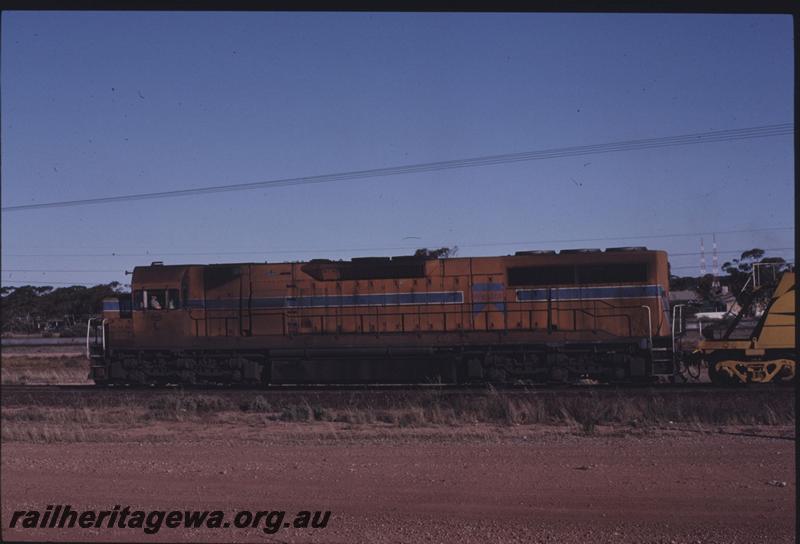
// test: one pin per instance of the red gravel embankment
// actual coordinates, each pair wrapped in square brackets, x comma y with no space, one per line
[519,485]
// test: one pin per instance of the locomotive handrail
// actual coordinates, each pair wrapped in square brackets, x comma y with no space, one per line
[103,327]
[649,325]
[432,309]
[291,324]
[88,330]
[90,336]
[677,314]
[321,318]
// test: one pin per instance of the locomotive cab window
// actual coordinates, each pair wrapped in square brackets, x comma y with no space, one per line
[156,299]
[139,300]
[172,299]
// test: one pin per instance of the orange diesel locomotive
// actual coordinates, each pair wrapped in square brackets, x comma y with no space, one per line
[536,316]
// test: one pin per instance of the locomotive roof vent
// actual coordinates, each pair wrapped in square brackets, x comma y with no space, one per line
[629,248]
[157,263]
[582,250]
[536,252]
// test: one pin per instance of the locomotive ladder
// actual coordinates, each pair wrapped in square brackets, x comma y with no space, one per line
[663,361]
[662,357]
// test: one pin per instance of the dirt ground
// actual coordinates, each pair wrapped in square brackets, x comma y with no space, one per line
[498,468]
[478,483]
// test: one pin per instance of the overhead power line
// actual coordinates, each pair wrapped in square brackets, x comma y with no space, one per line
[90,284]
[117,270]
[694,266]
[84,271]
[110,270]
[395,248]
[627,145]
[44,270]
[732,252]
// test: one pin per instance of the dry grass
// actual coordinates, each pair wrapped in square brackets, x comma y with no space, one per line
[74,424]
[114,416]
[47,370]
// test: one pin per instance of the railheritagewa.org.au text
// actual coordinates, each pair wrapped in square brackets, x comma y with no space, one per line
[63,516]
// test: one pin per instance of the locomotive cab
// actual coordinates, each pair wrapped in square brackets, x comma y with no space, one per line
[160,303]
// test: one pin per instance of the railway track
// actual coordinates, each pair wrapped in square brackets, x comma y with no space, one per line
[10,392]
[544,388]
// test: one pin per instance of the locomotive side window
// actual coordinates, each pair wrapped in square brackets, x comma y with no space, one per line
[160,299]
[139,300]
[172,299]
[156,299]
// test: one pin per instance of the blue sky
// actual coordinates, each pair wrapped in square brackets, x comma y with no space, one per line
[99,104]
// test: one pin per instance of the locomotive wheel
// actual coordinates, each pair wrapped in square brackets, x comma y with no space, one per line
[720,377]
[717,377]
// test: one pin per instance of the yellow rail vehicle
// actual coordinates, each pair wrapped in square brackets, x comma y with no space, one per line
[769,354]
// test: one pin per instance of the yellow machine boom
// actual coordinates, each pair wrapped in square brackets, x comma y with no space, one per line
[769,355]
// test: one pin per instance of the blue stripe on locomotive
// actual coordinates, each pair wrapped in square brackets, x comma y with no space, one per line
[322,301]
[581,293]
[444,297]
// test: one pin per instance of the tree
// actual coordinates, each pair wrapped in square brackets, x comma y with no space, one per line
[705,288]
[441,253]
[683,283]
[25,307]
[740,271]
